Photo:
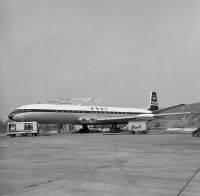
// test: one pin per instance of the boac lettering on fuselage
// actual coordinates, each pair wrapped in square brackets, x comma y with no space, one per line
[99,108]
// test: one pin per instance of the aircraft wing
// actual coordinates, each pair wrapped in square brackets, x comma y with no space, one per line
[125,119]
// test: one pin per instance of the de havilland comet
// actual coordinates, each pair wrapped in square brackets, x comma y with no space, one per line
[89,115]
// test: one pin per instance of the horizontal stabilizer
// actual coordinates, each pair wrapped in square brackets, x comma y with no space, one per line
[168,108]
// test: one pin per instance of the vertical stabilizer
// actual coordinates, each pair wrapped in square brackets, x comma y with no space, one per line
[153,102]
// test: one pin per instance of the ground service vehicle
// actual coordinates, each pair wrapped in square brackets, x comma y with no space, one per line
[137,127]
[22,129]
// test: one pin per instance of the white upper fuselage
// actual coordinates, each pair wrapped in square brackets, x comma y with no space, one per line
[69,114]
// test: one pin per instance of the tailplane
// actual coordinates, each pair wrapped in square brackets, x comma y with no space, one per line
[153,102]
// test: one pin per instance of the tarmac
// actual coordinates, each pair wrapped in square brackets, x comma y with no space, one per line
[97,164]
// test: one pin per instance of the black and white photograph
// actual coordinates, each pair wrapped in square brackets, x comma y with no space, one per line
[99,97]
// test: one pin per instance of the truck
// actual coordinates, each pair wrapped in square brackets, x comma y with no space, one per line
[137,127]
[22,129]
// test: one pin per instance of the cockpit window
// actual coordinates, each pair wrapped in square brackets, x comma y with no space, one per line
[17,111]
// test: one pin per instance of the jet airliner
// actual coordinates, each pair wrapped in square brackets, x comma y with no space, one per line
[88,115]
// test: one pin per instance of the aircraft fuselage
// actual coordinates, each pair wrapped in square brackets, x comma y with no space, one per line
[69,114]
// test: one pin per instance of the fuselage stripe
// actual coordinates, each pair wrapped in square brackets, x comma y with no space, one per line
[71,111]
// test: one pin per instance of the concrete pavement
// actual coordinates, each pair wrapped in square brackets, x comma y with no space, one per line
[96,164]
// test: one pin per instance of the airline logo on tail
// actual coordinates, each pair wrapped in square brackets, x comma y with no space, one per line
[153,102]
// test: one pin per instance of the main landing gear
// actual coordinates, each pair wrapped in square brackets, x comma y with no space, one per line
[84,129]
[114,129]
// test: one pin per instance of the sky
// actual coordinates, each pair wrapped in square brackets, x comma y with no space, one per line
[116,50]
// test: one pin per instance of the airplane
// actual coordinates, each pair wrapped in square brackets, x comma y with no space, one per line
[90,115]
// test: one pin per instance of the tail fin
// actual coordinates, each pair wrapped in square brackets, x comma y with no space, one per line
[153,102]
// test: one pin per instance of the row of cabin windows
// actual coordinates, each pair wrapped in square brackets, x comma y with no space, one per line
[74,111]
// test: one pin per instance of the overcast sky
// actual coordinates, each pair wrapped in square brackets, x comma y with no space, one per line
[115,50]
